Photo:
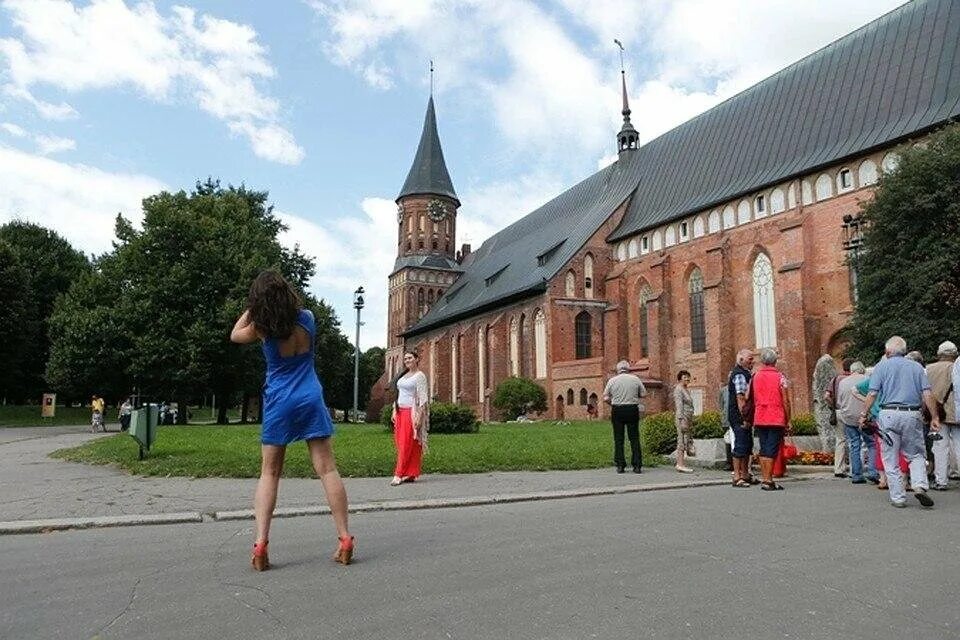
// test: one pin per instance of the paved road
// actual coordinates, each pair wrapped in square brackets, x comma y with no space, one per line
[34,486]
[819,560]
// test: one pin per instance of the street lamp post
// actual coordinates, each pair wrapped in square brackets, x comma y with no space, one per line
[357,304]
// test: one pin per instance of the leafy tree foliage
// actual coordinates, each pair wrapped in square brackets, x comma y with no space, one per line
[52,266]
[516,396]
[16,308]
[371,368]
[156,313]
[909,273]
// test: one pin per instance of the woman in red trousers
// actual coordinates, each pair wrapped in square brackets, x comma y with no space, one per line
[411,420]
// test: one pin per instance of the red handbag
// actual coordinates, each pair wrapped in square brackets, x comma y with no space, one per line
[789,450]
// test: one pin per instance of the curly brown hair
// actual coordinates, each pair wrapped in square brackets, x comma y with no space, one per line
[273,305]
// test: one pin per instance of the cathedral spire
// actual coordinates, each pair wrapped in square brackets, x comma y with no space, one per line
[428,174]
[628,137]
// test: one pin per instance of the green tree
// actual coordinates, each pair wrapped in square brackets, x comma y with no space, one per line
[371,368]
[909,271]
[53,266]
[16,309]
[516,396]
[160,307]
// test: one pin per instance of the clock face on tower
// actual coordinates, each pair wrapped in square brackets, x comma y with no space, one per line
[436,210]
[400,212]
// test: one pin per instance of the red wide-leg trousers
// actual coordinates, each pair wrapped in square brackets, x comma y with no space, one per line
[409,451]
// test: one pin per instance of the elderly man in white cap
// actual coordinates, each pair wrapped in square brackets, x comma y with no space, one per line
[944,394]
[623,393]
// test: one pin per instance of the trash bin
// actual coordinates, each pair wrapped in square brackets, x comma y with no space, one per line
[143,426]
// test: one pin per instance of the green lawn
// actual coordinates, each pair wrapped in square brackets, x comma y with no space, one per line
[29,416]
[361,450]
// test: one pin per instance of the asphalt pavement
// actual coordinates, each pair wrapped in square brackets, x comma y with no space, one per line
[822,559]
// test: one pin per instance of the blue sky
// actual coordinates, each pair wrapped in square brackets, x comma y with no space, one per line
[103,102]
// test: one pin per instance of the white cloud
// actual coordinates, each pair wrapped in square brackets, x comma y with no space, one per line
[108,44]
[14,130]
[77,201]
[48,145]
[351,252]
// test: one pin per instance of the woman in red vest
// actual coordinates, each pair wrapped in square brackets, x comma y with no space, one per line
[771,400]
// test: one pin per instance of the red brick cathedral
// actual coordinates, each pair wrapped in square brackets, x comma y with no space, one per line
[732,230]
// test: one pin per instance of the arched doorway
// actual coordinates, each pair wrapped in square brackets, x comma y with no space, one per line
[559,407]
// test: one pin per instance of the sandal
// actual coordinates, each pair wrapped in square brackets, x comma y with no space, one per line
[344,553]
[770,486]
[741,483]
[260,560]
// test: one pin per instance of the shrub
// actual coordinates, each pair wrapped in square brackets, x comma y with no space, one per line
[385,414]
[658,433]
[804,424]
[708,425]
[516,396]
[452,418]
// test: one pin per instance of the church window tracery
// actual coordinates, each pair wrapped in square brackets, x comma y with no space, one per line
[698,333]
[764,317]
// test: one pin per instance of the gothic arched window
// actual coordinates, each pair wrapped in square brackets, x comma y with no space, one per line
[645,295]
[588,276]
[570,397]
[571,284]
[481,362]
[583,397]
[514,347]
[764,316]
[454,366]
[698,333]
[582,326]
[540,343]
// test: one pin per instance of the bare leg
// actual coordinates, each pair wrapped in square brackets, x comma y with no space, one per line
[321,454]
[265,498]
[766,469]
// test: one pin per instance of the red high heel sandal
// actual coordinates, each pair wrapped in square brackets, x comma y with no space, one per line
[344,554]
[260,560]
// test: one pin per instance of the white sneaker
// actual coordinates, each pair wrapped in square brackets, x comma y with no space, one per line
[899,504]
[684,469]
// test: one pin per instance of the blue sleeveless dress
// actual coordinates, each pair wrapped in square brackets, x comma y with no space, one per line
[293,405]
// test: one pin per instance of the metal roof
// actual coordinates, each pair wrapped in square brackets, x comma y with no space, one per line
[428,174]
[430,261]
[894,77]
[508,265]
[898,75]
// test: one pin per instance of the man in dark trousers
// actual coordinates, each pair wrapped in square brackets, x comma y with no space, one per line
[623,393]
[737,385]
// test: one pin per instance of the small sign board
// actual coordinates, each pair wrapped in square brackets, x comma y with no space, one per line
[48,407]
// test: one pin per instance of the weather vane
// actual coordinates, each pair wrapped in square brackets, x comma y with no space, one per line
[431,77]
[619,44]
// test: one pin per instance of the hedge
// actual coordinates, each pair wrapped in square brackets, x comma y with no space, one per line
[708,425]
[444,418]
[804,424]
[658,433]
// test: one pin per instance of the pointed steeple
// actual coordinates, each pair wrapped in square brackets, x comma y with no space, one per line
[628,137]
[428,175]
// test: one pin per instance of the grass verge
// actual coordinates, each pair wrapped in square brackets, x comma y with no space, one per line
[361,450]
[29,416]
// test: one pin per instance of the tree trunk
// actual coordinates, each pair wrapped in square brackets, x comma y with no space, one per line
[222,413]
[182,411]
[244,408]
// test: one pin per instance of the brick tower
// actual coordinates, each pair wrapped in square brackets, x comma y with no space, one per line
[426,263]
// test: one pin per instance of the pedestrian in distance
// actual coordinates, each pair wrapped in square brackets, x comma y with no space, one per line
[839,433]
[125,411]
[411,420]
[944,392]
[769,392]
[849,404]
[293,405]
[738,383]
[97,406]
[624,393]
[683,418]
[904,386]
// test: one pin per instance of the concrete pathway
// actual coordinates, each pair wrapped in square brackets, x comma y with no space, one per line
[39,493]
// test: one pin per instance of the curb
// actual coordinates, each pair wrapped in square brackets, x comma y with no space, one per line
[62,524]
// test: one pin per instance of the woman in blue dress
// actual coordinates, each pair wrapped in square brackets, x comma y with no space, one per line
[293,405]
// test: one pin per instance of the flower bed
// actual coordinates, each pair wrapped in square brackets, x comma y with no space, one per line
[812,457]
